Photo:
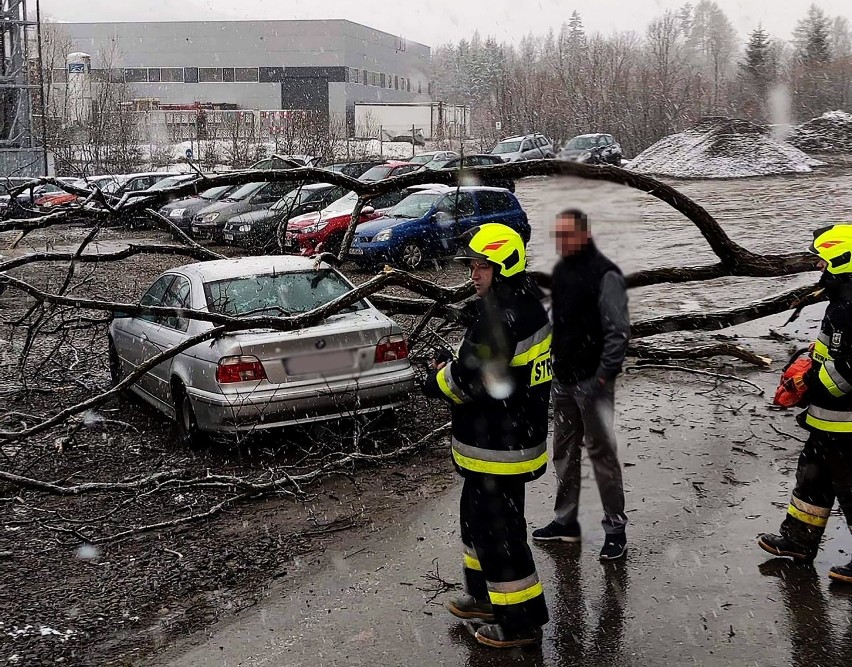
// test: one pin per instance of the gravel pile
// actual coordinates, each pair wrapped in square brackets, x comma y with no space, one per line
[719,147]
[830,133]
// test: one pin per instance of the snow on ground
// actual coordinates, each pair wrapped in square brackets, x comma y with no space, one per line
[719,147]
[829,133]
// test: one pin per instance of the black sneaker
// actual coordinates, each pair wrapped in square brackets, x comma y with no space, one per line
[494,635]
[468,607]
[841,573]
[614,548]
[556,532]
[781,546]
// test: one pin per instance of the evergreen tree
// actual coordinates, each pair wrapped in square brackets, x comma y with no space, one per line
[757,68]
[812,37]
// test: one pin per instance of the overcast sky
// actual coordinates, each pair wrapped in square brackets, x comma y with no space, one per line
[434,22]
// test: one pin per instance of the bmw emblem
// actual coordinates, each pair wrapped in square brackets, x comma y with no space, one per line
[320,343]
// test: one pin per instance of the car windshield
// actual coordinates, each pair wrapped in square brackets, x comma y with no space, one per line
[276,293]
[415,206]
[377,173]
[294,198]
[581,143]
[170,182]
[246,190]
[345,203]
[422,159]
[212,193]
[507,147]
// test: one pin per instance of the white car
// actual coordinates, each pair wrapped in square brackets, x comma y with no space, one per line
[353,362]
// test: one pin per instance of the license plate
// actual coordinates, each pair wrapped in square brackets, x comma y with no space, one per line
[356,251]
[229,237]
[322,362]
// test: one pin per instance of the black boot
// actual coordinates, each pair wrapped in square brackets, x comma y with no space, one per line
[781,546]
[468,607]
[494,635]
[842,573]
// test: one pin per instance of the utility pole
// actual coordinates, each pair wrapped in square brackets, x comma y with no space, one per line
[412,141]
[381,143]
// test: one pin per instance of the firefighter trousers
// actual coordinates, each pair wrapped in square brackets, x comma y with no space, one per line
[498,563]
[824,474]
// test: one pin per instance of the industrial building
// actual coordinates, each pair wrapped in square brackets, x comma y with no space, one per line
[322,66]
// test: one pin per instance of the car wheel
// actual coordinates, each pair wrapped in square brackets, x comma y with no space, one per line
[188,432]
[411,256]
[116,373]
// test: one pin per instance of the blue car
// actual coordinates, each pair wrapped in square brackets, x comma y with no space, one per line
[427,224]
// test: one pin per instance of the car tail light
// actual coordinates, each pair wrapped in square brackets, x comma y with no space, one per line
[239,369]
[392,348]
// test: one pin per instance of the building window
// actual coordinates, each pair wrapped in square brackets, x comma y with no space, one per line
[209,74]
[59,75]
[419,86]
[116,75]
[246,74]
[381,80]
[228,74]
[396,82]
[408,85]
[154,74]
[171,74]
[136,75]
[190,75]
[364,77]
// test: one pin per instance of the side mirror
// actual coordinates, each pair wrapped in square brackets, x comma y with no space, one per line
[441,216]
[368,210]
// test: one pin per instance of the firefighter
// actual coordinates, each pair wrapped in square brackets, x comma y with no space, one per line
[824,471]
[498,387]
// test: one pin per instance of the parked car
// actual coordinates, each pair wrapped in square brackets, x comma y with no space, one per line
[428,224]
[481,161]
[257,229]
[433,159]
[526,147]
[354,169]
[324,231]
[182,211]
[108,184]
[389,169]
[276,161]
[210,221]
[171,181]
[592,149]
[29,196]
[143,181]
[352,363]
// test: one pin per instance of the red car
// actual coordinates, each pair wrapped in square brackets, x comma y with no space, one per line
[389,169]
[323,231]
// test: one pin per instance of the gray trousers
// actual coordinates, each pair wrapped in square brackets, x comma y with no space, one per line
[580,416]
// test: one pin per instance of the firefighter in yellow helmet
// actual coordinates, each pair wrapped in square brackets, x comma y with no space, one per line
[498,389]
[824,472]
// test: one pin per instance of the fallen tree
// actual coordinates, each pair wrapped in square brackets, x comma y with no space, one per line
[52,317]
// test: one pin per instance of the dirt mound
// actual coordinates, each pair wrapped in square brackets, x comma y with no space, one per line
[719,147]
[830,133]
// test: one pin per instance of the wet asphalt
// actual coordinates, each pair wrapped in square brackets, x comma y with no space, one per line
[709,465]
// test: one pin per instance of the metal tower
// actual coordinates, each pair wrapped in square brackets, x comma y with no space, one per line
[20,153]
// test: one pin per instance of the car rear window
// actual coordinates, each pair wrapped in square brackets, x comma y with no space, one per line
[276,293]
[494,202]
[376,173]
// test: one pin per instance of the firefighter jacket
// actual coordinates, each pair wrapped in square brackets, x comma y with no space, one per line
[830,380]
[498,386]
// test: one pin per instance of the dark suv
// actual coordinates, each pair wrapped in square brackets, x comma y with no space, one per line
[592,149]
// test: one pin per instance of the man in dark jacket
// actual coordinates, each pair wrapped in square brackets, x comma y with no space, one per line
[498,388]
[591,328]
[824,472]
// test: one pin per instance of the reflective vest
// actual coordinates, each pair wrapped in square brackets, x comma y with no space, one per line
[830,381]
[498,386]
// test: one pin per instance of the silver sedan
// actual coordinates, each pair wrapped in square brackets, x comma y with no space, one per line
[352,363]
